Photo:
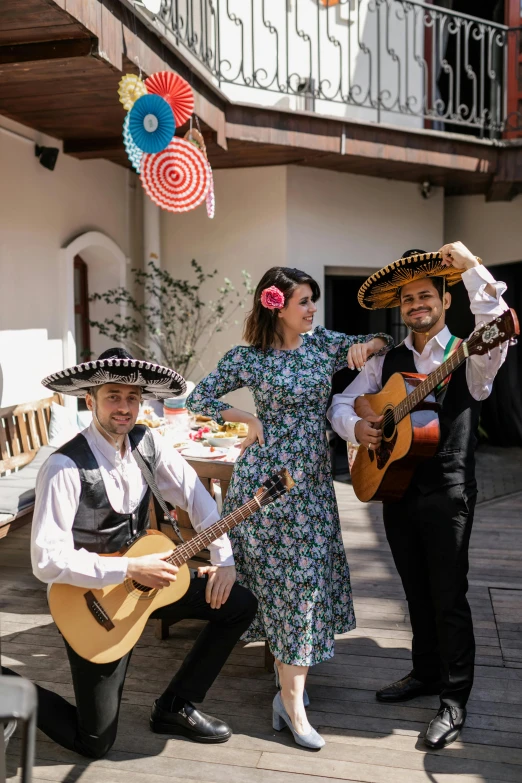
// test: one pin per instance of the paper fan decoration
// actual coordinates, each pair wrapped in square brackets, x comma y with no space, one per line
[176,179]
[176,91]
[211,198]
[130,89]
[196,138]
[133,152]
[151,123]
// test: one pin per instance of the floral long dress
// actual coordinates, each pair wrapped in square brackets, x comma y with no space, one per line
[290,554]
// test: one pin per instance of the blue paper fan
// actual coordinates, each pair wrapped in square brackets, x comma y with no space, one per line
[133,152]
[151,123]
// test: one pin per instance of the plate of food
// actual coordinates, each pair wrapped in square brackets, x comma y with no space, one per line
[202,452]
[181,445]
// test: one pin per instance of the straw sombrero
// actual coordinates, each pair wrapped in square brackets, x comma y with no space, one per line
[383,287]
[116,365]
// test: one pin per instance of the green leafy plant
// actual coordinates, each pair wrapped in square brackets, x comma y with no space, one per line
[170,322]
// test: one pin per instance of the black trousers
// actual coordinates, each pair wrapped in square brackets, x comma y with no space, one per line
[429,539]
[90,727]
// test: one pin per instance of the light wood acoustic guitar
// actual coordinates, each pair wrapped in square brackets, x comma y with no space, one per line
[102,625]
[410,426]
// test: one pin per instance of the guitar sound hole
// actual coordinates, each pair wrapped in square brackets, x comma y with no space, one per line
[388,425]
[141,588]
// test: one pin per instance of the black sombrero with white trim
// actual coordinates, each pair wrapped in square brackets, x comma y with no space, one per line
[382,289]
[116,365]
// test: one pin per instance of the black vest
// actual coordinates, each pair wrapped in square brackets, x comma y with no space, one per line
[97,527]
[454,462]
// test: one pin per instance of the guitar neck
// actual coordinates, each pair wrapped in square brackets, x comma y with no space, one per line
[430,383]
[190,548]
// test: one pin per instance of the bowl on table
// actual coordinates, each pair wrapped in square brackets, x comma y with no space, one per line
[222,441]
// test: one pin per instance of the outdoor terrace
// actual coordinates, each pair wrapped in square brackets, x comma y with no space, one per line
[366,741]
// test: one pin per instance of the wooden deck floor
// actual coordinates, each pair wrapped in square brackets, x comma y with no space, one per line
[366,741]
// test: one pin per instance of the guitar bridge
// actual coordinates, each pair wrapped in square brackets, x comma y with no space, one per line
[98,612]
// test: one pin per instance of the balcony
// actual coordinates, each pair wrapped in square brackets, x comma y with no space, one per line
[397,62]
[390,88]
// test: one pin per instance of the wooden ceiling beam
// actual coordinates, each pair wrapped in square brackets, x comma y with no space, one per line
[92,148]
[46,50]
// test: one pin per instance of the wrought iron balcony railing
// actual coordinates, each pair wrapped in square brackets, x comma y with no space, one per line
[403,62]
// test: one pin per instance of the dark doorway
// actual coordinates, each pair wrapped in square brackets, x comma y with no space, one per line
[344,314]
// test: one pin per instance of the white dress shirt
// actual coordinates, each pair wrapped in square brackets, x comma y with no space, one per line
[58,489]
[480,370]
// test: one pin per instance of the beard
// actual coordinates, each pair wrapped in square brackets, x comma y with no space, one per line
[423,324]
[112,427]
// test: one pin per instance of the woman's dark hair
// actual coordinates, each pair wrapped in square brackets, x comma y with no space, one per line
[262,325]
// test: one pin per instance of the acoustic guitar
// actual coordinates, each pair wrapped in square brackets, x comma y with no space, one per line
[103,624]
[410,426]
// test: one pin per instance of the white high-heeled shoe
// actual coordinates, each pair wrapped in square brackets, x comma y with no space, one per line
[281,719]
[306,700]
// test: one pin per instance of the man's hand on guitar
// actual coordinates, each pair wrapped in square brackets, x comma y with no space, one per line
[152,570]
[219,583]
[368,433]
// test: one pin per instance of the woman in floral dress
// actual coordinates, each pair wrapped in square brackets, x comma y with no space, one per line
[290,554]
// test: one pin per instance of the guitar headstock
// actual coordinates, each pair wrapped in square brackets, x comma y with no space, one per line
[278,484]
[504,327]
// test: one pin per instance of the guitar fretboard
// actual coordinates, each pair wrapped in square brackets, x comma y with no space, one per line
[430,383]
[203,539]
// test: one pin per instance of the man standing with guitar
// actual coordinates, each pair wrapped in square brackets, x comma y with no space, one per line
[429,527]
[92,499]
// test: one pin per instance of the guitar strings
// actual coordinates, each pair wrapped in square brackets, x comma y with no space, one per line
[389,416]
[187,547]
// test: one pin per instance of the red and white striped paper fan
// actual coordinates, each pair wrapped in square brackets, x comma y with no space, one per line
[176,179]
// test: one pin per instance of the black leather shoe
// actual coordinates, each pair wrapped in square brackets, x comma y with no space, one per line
[405,689]
[189,722]
[445,727]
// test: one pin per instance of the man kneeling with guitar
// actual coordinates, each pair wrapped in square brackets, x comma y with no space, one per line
[92,499]
[428,525]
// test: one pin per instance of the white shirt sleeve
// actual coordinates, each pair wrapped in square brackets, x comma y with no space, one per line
[481,370]
[179,484]
[341,412]
[53,556]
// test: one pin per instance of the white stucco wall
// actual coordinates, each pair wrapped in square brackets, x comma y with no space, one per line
[247,232]
[344,220]
[41,211]
[492,230]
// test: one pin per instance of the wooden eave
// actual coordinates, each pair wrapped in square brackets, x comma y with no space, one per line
[61,61]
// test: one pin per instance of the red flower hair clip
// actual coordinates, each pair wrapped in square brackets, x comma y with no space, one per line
[272,298]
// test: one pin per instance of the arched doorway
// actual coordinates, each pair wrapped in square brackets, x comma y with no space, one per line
[104,266]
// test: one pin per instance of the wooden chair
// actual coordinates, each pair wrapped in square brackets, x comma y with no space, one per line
[23,430]
[208,472]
